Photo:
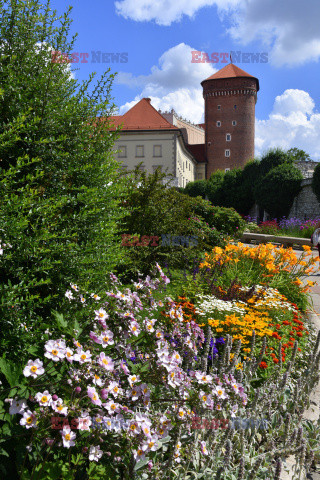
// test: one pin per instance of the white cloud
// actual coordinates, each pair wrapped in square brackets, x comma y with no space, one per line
[289,28]
[165,12]
[174,83]
[293,122]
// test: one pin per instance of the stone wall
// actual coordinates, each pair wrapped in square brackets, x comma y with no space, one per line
[305,205]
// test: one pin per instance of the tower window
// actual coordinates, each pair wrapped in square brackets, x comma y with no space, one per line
[228,137]
[218,123]
[227,153]
[234,123]
[219,107]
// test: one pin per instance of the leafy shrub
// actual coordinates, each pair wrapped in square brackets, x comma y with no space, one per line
[276,191]
[59,185]
[155,209]
[196,189]
[252,227]
[316,182]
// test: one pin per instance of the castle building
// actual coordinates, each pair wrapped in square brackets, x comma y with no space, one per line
[188,151]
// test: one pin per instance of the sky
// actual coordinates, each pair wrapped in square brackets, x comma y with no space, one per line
[149,44]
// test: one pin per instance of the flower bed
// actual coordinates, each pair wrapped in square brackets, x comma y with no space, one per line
[293,227]
[151,388]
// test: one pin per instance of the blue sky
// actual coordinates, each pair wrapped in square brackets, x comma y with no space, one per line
[159,35]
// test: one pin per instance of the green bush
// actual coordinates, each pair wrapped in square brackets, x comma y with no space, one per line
[316,182]
[59,180]
[196,189]
[214,185]
[276,191]
[273,158]
[155,209]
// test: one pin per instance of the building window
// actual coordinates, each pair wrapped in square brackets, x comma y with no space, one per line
[218,123]
[199,176]
[227,169]
[235,107]
[139,151]
[228,137]
[157,150]
[234,123]
[227,153]
[219,107]
[122,152]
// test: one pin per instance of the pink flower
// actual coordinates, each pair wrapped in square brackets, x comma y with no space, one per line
[106,362]
[93,394]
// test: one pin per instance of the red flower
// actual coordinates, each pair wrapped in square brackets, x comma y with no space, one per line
[299,334]
[275,360]
[286,323]
[263,365]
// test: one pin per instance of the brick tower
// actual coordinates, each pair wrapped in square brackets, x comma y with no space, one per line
[230,97]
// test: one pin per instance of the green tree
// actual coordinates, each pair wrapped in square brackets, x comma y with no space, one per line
[273,158]
[196,189]
[275,191]
[214,186]
[316,182]
[59,182]
[299,155]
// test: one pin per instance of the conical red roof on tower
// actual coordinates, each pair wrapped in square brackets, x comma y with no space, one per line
[230,71]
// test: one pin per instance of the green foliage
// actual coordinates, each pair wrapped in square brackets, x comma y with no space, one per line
[214,185]
[276,191]
[59,182]
[196,189]
[316,182]
[273,158]
[155,209]
[299,155]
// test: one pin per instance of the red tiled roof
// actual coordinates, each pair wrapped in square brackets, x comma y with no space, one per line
[230,71]
[198,152]
[142,116]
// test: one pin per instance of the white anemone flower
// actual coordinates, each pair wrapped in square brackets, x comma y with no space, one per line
[68,437]
[33,368]
[28,420]
[95,453]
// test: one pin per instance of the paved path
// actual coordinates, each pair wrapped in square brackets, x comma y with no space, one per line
[313,412]
[314,315]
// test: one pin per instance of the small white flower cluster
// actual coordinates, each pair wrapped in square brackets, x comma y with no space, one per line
[271,298]
[209,304]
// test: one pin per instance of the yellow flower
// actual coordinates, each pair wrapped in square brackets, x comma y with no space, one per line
[239,366]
